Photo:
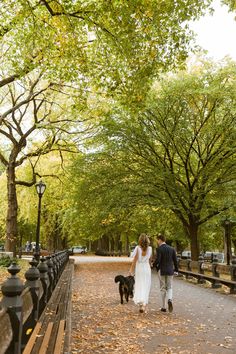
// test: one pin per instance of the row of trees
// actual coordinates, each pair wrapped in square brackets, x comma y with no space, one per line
[174,160]
[169,167]
[74,77]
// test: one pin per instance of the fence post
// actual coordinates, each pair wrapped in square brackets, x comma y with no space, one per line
[66,256]
[188,264]
[11,290]
[200,279]
[54,268]
[233,268]
[61,261]
[57,265]
[43,269]
[215,284]
[233,274]
[178,260]
[50,276]
[60,258]
[32,276]
[33,283]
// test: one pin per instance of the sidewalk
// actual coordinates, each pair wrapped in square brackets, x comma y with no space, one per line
[203,321]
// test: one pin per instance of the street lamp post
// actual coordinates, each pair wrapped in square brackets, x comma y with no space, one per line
[227,228]
[40,188]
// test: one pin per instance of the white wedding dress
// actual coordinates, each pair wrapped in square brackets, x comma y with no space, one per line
[142,284]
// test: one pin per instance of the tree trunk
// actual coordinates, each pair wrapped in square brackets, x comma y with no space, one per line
[99,244]
[193,234]
[227,244]
[105,243]
[112,244]
[89,245]
[127,244]
[58,233]
[64,243]
[94,245]
[11,224]
[117,242]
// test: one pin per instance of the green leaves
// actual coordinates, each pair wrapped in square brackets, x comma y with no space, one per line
[231,4]
[178,152]
[111,45]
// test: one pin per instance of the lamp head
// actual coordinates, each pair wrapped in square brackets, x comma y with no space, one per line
[40,188]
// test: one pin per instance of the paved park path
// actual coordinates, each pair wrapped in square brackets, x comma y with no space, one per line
[203,321]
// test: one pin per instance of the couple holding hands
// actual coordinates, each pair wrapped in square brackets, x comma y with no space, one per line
[165,262]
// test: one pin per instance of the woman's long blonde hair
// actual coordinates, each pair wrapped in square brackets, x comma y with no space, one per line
[143,242]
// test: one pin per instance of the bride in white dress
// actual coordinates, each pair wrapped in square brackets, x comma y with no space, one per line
[141,264]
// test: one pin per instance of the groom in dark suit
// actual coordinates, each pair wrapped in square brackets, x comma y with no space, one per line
[166,262]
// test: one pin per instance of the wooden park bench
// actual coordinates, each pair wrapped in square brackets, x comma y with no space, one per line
[185,268]
[52,331]
[216,282]
[37,309]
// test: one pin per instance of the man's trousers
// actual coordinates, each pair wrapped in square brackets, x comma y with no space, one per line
[166,282]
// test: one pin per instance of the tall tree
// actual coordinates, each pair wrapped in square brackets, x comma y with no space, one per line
[106,47]
[54,203]
[34,109]
[102,202]
[181,147]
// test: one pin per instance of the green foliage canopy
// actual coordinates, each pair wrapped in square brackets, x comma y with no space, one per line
[181,147]
[109,44]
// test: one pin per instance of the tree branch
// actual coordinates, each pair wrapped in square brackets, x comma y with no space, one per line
[3,160]
[214,213]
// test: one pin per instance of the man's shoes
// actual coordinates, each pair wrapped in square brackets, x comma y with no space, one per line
[163,309]
[170,306]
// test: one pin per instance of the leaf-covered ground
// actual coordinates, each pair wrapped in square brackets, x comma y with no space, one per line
[102,325]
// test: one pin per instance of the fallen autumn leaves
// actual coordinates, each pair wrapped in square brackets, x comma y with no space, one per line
[102,325]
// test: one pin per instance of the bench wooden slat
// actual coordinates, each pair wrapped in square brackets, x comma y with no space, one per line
[48,315]
[67,348]
[59,315]
[53,333]
[46,338]
[210,278]
[32,339]
[60,335]
[62,308]
[45,323]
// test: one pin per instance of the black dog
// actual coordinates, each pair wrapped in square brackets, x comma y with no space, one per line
[126,287]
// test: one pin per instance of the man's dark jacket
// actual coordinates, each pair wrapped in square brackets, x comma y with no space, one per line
[166,260]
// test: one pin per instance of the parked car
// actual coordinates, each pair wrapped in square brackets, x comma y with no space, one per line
[78,250]
[186,254]
[208,256]
[33,246]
